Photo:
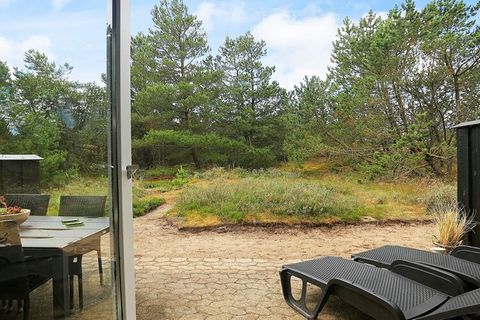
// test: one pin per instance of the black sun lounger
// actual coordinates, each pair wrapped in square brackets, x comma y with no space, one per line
[385,256]
[377,292]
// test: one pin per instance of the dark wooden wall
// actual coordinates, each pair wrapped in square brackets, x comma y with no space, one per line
[19,176]
[468,174]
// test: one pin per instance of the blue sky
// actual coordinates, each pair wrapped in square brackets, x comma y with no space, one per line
[298,33]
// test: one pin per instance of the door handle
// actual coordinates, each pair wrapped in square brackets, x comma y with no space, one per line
[131,169]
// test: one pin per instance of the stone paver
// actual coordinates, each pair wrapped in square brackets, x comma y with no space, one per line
[231,275]
[234,275]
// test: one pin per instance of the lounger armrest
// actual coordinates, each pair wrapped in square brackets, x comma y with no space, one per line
[363,299]
[468,253]
[429,276]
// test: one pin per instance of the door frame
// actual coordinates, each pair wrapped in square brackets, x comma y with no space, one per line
[121,158]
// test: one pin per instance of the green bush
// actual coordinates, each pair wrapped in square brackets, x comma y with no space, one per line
[181,178]
[275,195]
[175,147]
[144,205]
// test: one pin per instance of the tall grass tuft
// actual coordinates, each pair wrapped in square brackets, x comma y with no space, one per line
[452,224]
[233,200]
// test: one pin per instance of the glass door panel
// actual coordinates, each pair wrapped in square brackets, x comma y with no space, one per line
[56,234]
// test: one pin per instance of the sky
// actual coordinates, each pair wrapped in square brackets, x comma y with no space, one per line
[298,33]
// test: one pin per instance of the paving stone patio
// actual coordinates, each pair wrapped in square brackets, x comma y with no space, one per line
[223,275]
[234,275]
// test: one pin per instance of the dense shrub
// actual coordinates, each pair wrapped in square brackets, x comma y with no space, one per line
[168,147]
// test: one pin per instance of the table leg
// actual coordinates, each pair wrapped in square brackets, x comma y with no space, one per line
[61,287]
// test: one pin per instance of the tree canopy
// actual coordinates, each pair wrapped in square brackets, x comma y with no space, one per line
[385,107]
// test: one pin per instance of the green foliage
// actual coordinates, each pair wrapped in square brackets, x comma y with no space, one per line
[279,196]
[181,178]
[250,101]
[396,87]
[410,155]
[146,204]
[178,86]
[174,146]
[301,144]
[172,89]
[143,201]
[63,121]
[47,143]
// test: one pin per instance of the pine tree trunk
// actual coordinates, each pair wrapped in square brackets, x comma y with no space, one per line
[458,107]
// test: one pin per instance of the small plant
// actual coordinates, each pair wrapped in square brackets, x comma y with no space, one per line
[181,177]
[5,209]
[452,225]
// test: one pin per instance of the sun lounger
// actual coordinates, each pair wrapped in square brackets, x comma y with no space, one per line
[466,270]
[467,253]
[377,292]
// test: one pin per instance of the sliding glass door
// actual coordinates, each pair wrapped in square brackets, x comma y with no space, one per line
[65,206]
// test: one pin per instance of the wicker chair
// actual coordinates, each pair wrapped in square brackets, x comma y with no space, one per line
[37,203]
[19,276]
[84,206]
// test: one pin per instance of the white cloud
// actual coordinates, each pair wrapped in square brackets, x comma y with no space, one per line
[14,51]
[297,46]
[59,4]
[211,13]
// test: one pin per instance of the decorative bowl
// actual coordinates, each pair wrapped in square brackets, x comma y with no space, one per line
[19,218]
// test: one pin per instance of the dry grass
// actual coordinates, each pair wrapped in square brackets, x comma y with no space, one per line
[295,195]
[248,198]
[452,225]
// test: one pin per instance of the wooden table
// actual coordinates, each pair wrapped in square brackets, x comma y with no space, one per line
[46,236]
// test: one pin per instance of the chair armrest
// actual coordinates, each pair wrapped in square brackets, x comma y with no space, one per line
[432,277]
[468,253]
[363,299]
